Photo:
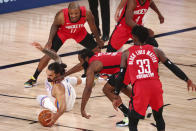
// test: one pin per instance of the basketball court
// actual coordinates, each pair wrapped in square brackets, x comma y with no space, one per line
[18,60]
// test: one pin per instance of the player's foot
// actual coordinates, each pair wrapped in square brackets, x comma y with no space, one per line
[30,83]
[123,123]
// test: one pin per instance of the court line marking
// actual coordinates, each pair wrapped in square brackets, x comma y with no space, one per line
[6,95]
[76,52]
[35,121]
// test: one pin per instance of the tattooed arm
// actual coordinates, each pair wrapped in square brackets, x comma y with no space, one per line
[53,55]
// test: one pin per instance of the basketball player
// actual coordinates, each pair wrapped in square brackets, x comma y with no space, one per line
[107,63]
[141,63]
[69,24]
[132,14]
[61,96]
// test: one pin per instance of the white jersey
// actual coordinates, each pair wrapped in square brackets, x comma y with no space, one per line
[70,94]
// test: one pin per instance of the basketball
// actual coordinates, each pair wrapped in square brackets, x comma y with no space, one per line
[45,117]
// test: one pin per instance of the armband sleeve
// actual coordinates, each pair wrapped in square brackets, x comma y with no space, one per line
[119,80]
[177,71]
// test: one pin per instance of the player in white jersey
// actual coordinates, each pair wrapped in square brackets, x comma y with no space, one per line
[61,94]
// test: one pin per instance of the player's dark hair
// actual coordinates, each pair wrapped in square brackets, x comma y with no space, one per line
[57,68]
[73,5]
[85,53]
[141,32]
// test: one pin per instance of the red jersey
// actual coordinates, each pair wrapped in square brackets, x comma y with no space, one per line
[73,29]
[142,63]
[138,12]
[111,62]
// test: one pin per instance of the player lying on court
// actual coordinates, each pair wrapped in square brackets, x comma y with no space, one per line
[69,24]
[61,95]
[141,64]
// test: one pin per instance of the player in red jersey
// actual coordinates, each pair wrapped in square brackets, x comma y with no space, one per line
[69,24]
[132,14]
[141,63]
[101,63]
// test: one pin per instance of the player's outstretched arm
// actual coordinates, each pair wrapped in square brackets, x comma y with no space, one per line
[59,93]
[93,28]
[93,67]
[175,69]
[154,7]
[53,55]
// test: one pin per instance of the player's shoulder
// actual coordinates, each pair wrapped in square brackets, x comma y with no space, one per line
[58,88]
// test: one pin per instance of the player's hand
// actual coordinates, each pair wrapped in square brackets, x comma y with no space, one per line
[117,15]
[83,113]
[116,102]
[100,43]
[48,45]
[37,45]
[190,84]
[53,119]
[151,32]
[161,19]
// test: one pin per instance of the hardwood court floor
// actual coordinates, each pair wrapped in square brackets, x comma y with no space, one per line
[19,29]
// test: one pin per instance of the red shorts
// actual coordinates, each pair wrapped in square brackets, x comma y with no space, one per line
[146,92]
[120,35]
[78,36]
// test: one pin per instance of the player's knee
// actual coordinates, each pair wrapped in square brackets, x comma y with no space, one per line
[106,89]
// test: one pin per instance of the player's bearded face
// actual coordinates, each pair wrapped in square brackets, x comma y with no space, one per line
[74,14]
[50,75]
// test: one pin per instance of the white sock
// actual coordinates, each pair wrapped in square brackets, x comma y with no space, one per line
[45,102]
[83,80]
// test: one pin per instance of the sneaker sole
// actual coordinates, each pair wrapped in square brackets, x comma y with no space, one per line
[30,86]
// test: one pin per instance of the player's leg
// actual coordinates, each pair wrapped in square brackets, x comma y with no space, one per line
[156,102]
[108,90]
[56,44]
[89,43]
[93,4]
[74,81]
[138,104]
[160,123]
[119,37]
[45,102]
[105,15]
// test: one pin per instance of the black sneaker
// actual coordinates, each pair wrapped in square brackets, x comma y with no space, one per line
[30,83]
[123,123]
